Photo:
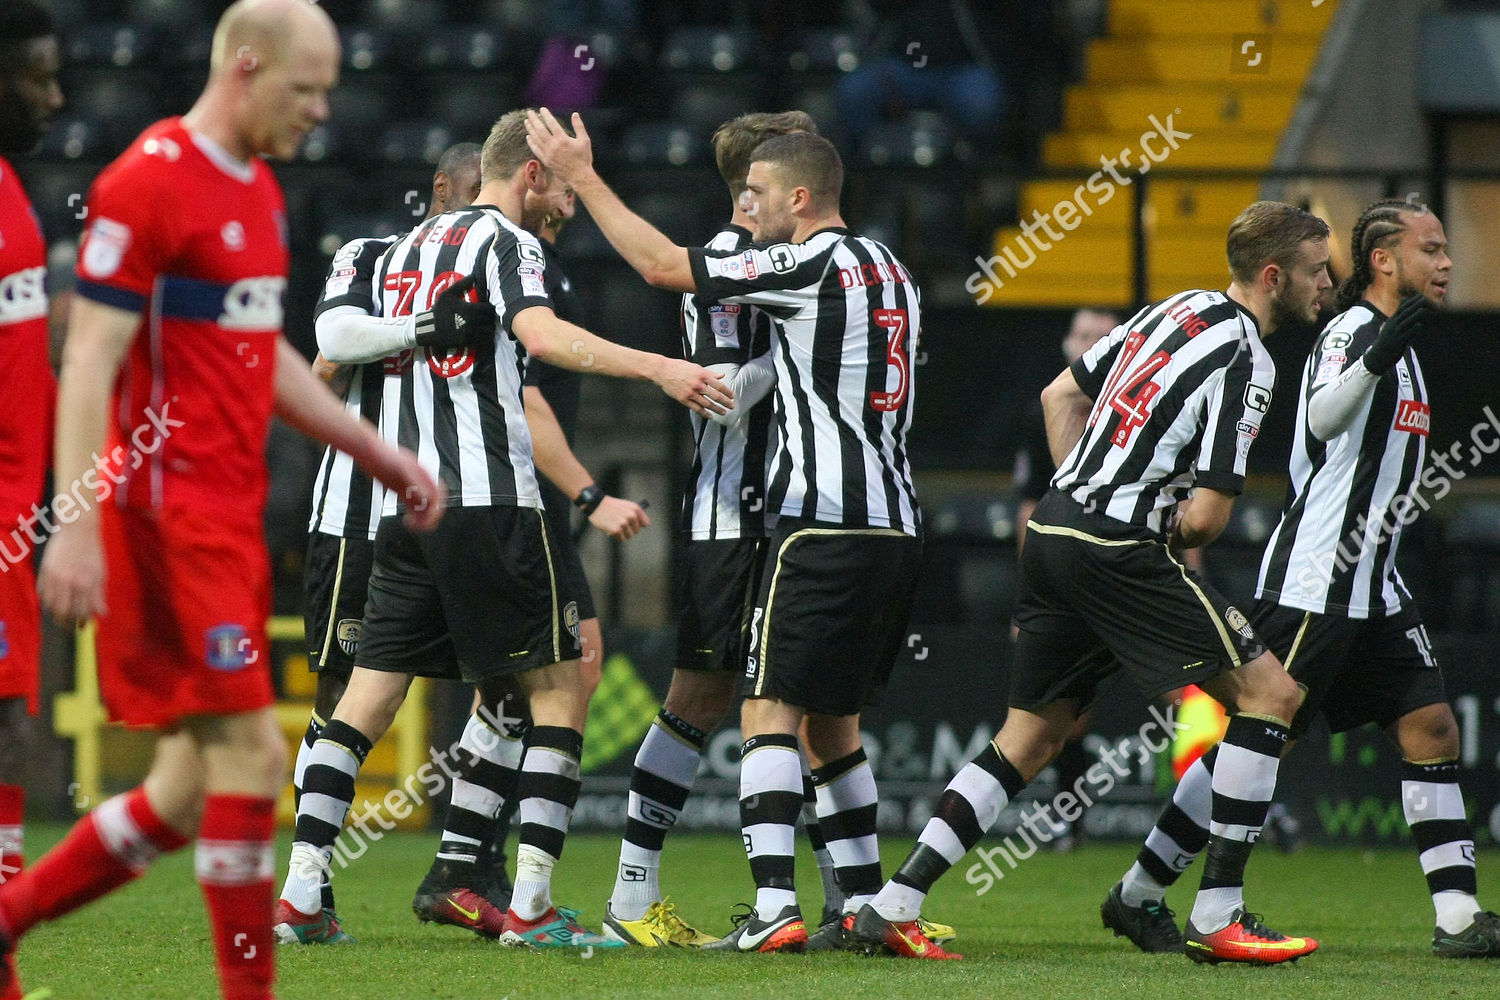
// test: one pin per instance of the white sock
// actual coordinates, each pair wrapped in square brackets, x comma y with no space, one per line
[532,896]
[306,873]
[1138,887]
[1455,910]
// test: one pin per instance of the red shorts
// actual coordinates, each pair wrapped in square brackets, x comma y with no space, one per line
[185,635]
[20,632]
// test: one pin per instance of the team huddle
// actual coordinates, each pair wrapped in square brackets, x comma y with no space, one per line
[440,543]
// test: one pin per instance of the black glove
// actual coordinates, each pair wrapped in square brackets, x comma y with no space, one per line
[455,322]
[1396,334]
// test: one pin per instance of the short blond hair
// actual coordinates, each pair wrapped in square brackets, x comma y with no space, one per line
[1269,232]
[736,140]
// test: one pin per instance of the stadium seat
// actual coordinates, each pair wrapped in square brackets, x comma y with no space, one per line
[363,102]
[57,193]
[468,104]
[352,225]
[369,47]
[711,50]
[123,102]
[173,15]
[1473,566]
[409,142]
[73,138]
[108,43]
[192,47]
[827,50]
[411,17]
[460,49]
[925,140]
[704,109]
[663,144]
[323,144]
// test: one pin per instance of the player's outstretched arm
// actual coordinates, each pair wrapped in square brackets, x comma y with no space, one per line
[660,261]
[308,405]
[1065,409]
[560,343]
[71,581]
[616,517]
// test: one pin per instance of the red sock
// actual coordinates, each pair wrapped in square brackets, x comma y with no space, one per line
[235,859]
[12,838]
[104,850]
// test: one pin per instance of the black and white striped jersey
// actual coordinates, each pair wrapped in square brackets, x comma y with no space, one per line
[845,315]
[346,502]
[1179,393]
[726,495]
[461,411]
[1334,550]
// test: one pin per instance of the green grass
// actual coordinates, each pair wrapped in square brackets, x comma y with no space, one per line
[1036,934]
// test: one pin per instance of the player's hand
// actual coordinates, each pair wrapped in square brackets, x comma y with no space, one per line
[569,157]
[619,519]
[1396,334]
[454,321]
[697,388]
[71,581]
[424,497]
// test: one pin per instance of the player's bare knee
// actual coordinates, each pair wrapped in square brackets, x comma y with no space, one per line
[700,699]
[1429,733]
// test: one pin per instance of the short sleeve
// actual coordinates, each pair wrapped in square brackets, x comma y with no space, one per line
[1093,367]
[1236,406]
[351,276]
[129,239]
[516,276]
[780,278]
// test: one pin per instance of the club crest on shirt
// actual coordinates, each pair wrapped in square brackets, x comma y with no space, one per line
[570,618]
[233,235]
[226,646]
[104,247]
[347,633]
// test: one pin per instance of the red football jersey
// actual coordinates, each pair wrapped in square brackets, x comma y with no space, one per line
[194,240]
[26,381]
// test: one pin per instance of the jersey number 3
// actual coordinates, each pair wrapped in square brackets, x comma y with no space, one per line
[894,321]
[1129,392]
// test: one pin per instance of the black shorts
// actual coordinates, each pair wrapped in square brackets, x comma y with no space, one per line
[335,583]
[572,584]
[830,615]
[718,589]
[1094,599]
[475,598]
[1355,670]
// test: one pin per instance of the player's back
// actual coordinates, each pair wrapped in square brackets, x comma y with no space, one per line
[461,411]
[1179,391]
[196,242]
[846,381]
[30,389]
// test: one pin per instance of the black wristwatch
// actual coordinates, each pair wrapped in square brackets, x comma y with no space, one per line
[589,498]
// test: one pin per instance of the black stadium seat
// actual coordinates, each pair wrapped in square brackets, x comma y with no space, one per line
[711,50]
[414,142]
[460,49]
[73,138]
[109,44]
[663,144]
[1473,566]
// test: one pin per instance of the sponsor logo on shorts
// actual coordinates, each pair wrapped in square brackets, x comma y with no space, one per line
[1239,622]
[570,618]
[227,647]
[347,633]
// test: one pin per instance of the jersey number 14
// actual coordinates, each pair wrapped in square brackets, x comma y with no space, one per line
[1129,391]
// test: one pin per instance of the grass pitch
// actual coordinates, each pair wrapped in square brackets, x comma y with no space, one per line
[1035,934]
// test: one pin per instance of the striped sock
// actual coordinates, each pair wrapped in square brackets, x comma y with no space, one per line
[846,810]
[488,761]
[327,793]
[107,848]
[235,862]
[770,798]
[310,737]
[1434,807]
[665,768]
[833,896]
[1244,778]
[1179,836]
[970,805]
[548,788]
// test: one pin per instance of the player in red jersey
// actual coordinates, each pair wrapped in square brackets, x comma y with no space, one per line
[178,314]
[29,95]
